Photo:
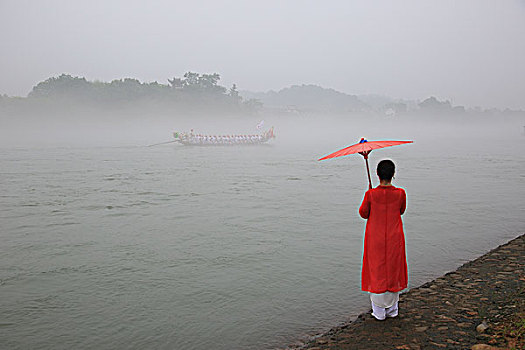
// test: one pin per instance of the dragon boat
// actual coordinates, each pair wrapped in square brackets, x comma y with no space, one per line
[193,139]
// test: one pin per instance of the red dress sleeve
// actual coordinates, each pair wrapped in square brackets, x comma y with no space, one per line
[364,209]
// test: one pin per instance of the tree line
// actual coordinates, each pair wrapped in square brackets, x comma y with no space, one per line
[192,91]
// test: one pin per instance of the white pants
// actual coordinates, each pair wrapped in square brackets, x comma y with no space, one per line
[384,305]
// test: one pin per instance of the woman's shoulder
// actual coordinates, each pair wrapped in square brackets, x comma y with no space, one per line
[389,188]
[401,192]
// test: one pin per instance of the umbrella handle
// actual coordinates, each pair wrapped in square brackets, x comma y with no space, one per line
[365,155]
[368,172]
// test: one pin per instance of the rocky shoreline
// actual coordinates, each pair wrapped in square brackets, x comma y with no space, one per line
[481,305]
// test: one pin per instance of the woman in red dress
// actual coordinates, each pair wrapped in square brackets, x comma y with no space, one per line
[384,272]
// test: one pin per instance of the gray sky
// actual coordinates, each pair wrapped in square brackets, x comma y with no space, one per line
[471,52]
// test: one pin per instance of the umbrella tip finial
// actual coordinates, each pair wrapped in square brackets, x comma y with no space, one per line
[363,140]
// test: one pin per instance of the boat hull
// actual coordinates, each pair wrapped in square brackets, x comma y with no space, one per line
[191,139]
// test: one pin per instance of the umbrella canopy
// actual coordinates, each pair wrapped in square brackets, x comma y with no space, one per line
[364,148]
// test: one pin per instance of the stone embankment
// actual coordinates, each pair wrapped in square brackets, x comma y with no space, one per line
[481,305]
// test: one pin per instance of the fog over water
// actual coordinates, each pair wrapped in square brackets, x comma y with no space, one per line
[108,243]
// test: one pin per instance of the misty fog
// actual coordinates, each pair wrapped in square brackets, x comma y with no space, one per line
[322,131]
[469,51]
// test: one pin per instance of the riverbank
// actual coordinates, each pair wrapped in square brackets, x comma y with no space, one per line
[482,302]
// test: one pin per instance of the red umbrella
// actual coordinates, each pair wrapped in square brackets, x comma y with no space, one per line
[364,148]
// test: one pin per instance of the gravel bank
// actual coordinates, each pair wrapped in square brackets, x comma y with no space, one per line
[474,305]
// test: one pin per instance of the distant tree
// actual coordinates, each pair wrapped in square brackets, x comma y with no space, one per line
[209,81]
[190,80]
[195,83]
[205,84]
[234,94]
[176,83]
[210,84]
[64,85]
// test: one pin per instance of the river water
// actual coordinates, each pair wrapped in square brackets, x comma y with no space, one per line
[173,247]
